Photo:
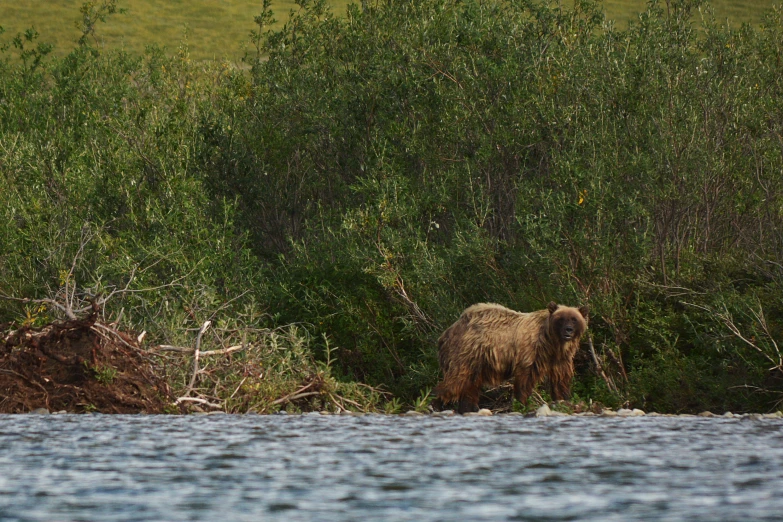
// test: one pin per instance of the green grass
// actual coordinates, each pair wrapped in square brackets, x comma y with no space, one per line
[216,29]
[735,11]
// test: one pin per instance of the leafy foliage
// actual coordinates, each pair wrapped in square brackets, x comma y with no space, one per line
[372,175]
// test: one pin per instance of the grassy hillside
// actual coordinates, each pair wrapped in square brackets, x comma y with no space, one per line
[214,28]
[219,28]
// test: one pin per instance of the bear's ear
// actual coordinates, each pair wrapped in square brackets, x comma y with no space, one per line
[552,306]
[585,311]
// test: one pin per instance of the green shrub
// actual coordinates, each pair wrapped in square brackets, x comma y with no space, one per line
[373,175]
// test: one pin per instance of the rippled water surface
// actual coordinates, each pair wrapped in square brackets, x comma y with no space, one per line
[311,467]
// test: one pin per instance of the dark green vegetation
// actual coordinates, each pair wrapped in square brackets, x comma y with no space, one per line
[373,175]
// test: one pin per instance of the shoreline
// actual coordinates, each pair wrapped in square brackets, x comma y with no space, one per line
[621,413]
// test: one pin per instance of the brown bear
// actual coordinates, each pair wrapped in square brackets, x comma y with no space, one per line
[490,343]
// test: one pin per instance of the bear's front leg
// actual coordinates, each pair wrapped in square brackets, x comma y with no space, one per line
[525,380]
[561,377]
[469,398]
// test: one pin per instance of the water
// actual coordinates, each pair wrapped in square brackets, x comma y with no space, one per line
[100,467]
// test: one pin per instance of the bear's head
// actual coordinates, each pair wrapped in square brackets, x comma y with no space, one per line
[566,322]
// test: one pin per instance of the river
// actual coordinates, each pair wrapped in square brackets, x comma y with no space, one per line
[376,467]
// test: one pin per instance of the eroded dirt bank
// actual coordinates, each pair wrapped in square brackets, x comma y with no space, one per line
[77,366]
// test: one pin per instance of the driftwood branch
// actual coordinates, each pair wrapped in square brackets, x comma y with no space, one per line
[184,349]
[199,401]
[196,355]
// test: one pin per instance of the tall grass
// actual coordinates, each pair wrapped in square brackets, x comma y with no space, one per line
[215,30]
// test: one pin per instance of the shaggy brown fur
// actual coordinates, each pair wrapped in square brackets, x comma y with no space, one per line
[489,344]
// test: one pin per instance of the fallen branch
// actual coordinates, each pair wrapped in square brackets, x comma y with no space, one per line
[340,407]
[196,354]
[351,402]
[184,349]
[296,395]
[200,401]
[170,348]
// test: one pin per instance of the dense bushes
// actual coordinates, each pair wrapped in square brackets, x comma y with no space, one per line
[373,174]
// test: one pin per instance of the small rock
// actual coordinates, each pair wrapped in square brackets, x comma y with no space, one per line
[585,414]
[40,411]
[444,413]
[413,413]
[282,412]
[345,412]
[752,416]
[636,412]
[483,412]
[470,414]
[770,415]
[558,414]
[706,414]
[59,412]
[609,413]
[778,414]
[728,415]
[326,412]
[543,411]
[514,414]
[653,414]
[624,412]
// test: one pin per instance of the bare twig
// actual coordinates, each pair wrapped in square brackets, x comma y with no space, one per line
[763,323]
[609,383]
[170,348]
[238,387]
[102,330]
[727,319]
[340,407]
[184,349]
[349,401]
[292,396]
[196,357]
